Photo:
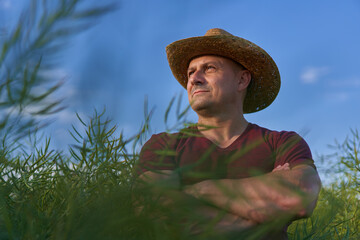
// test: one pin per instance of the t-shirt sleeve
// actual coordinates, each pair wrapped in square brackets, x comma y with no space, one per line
[157,154]
[292,148]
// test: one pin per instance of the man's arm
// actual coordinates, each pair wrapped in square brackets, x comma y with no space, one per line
[290,193]
[167,183]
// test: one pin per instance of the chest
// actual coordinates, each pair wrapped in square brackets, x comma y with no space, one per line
[199,161]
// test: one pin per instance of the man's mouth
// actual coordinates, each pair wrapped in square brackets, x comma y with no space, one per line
[199,91]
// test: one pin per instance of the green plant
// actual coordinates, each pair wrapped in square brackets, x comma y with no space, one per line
[26,54]
[337,214]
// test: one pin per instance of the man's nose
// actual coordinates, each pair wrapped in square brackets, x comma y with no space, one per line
[197,78]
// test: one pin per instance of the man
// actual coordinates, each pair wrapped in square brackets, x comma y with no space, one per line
[255,175]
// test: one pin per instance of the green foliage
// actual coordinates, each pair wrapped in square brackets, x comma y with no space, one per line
[27,54]
[47,194]
[87,194]
[337,215]
[90,194]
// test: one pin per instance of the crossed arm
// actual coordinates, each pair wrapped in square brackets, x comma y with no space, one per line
[285,192]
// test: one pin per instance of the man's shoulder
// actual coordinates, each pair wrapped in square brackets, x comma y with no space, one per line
[269,132]
[183,133]
[274,137]
[161,138]
[289,146]
[171,139]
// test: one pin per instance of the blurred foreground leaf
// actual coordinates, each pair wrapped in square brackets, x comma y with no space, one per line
[28,53]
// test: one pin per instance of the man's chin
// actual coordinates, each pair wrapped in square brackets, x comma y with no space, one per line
[201,108]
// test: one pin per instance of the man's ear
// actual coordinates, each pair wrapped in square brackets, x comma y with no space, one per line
[244,78]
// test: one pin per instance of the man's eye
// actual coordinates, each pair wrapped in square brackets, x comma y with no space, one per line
[190,73]
[210,68]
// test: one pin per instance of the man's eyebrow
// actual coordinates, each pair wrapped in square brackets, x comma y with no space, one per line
[206,63]
[212,62]
[190,68]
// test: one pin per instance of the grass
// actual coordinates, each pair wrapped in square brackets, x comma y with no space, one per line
[337,215]
[88,193]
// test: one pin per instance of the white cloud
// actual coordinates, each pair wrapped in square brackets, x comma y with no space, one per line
[312,74]
[66,92]
[350,82]
[56,73]
[5,4]
[338,97]
[66,117]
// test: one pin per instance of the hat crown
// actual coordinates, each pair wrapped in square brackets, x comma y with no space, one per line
[216,32]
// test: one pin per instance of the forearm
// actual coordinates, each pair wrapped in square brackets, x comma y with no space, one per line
[197,214]
[282,193]
[200,215]
[205,218]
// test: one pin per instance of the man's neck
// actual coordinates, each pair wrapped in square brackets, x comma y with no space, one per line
[222,131]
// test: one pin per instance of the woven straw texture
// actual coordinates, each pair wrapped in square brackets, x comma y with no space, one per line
[265,83]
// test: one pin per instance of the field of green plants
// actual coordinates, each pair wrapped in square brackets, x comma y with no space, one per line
[88,192]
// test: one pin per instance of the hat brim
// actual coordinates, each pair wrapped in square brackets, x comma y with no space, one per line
[265,83]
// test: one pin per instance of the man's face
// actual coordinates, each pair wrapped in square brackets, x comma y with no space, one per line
[213,83]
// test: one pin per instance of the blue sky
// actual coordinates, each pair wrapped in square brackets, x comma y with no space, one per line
[122,59]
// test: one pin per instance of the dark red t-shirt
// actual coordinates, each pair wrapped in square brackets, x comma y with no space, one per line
[255,152]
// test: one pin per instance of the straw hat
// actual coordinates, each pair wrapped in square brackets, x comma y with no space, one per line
[265,83]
